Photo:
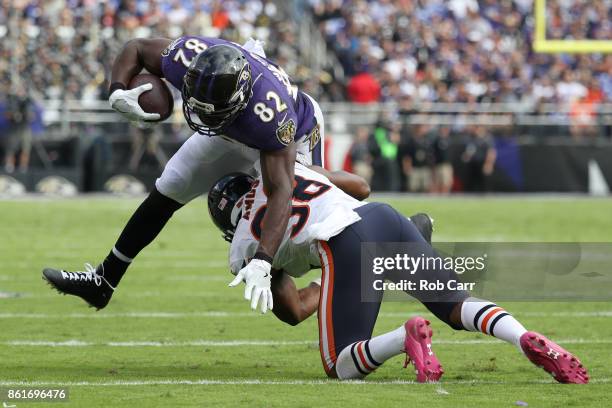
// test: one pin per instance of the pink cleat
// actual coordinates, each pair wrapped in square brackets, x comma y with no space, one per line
[554,359]
[417,346]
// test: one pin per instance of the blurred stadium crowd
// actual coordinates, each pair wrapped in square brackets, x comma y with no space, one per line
[579,20]
[65,48]
[466,50]
[412,52]
[434,50]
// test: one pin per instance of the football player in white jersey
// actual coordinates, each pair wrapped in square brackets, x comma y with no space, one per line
[326,229]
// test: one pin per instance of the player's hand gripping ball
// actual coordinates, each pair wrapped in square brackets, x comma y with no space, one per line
[147,101]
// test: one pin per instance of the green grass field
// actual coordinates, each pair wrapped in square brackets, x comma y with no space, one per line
[176,335]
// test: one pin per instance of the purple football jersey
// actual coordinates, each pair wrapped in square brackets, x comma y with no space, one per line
[277,112]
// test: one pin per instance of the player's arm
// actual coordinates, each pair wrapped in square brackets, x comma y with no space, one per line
[277,171]
[350,183]
[137,54]
[291,305]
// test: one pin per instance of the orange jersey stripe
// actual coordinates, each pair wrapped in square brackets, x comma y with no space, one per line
[319,318]
[325,322]
[330,292]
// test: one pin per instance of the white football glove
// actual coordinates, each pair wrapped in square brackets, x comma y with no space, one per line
[125,101]
[257,277]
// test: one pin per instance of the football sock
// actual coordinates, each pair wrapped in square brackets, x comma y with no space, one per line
[486,317]
[361,358]
[114,266]
[142,228]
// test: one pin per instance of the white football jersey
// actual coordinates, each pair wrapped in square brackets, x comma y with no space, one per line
[320,211]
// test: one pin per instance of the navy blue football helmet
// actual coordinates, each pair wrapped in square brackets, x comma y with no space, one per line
[216,88]
[222,199]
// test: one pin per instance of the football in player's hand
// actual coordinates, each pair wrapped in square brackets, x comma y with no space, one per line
[157,100]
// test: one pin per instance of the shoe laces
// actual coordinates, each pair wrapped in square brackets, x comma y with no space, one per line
[89,274]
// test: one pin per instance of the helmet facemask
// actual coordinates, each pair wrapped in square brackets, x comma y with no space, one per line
[211,118]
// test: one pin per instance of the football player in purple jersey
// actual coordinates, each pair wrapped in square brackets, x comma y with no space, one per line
[243,108]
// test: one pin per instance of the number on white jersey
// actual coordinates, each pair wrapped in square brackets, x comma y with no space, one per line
[304,191]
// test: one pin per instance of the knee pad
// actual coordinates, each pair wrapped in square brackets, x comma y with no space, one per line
[173,185]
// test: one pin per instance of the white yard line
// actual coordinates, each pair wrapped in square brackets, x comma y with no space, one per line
[102,315]
[242,343]
[222,314]
[137,383]
[601,313]
[179,278]
[191,343]
[145,294]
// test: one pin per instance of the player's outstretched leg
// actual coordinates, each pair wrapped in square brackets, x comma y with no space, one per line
[413,338]
[96,286]
[486,317]
[459,310]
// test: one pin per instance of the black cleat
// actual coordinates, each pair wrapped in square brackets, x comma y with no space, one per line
[88,285]
[424,224]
